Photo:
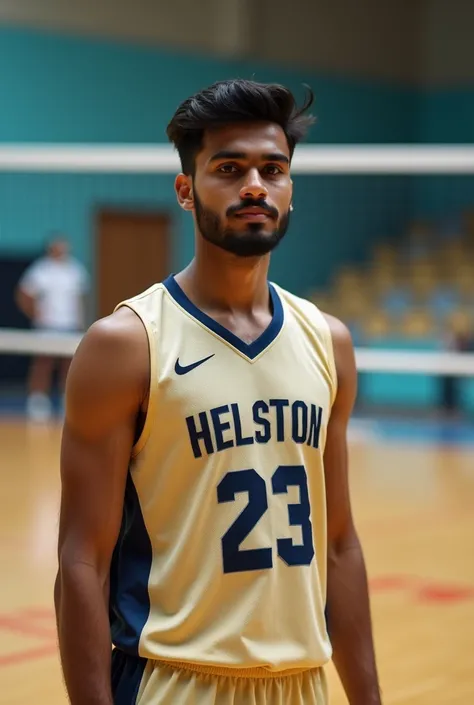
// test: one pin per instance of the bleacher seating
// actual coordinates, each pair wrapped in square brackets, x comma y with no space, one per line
[413,293]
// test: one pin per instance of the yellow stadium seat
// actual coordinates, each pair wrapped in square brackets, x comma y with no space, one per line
[348,279]
[416,324]
[377,325]
[384,255]
[463,282]
[460,322]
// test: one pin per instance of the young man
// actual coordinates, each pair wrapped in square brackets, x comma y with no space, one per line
[206,528]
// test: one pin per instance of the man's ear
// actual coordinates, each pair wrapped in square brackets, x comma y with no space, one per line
[184,191]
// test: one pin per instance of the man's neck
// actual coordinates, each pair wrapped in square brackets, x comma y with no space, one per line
[224,282]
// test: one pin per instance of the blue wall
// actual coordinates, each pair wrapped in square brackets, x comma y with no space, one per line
[55,88]
[65,89]
[445,116]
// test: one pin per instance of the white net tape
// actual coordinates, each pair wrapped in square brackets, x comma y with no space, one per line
[308,159]
[18,342]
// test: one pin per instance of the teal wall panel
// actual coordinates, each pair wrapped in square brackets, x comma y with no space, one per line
[64,89]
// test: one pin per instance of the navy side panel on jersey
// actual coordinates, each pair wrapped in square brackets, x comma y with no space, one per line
[127,673]
[129,574]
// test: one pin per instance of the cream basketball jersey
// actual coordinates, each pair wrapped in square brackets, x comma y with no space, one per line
[221,559]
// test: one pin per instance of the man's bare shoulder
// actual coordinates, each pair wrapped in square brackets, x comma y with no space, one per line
[113,351]
[340,333]
[121,329]
[344,359]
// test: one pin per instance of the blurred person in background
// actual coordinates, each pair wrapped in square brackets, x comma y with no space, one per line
[51,293]
[459,339]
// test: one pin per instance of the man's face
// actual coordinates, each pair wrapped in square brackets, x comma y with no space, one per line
[58,249]
[241,190]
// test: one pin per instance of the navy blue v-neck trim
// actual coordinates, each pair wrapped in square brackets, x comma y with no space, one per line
[250,350]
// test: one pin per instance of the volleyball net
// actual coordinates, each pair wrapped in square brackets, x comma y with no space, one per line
[383,239]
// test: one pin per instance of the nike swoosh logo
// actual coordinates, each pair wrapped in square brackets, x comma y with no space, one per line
[184,369]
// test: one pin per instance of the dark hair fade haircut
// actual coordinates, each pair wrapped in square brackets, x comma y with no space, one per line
[234,101]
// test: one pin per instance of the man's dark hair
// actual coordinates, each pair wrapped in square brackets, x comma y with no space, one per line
[235,101]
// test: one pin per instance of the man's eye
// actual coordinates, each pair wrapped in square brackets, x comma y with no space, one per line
[227,168]
[272,169]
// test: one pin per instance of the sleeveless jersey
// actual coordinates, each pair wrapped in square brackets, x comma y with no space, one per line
[221,557]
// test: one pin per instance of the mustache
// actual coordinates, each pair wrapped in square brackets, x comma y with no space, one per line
[249,202]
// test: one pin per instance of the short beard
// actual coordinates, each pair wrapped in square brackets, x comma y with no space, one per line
[248,243]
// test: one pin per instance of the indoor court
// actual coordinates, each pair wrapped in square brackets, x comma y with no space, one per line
[413,502]
[379,200]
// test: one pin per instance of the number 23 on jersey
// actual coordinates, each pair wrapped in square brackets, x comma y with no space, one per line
[249,481]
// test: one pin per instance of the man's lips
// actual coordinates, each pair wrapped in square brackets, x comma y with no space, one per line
[253,213]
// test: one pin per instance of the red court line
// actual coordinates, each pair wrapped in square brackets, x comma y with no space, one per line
[422,589]
[385,583]
[444,593]
[419,588]
[39,613]
[24,623]
[26,656]
[21,625]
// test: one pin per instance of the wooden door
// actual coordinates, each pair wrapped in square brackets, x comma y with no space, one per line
[133,252]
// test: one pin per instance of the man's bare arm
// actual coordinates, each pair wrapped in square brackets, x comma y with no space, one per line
[25,302]
[106,388]
[348,608]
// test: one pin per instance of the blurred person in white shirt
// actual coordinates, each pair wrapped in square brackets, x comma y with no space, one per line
[51,293]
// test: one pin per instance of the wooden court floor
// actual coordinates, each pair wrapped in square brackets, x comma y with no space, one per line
[414,506]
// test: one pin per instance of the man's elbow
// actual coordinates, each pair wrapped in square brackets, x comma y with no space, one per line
[19,297]
[57,594]
[24,302]
[341,541]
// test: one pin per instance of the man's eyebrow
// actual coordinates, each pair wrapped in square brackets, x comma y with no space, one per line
[276,157]
[228,154]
